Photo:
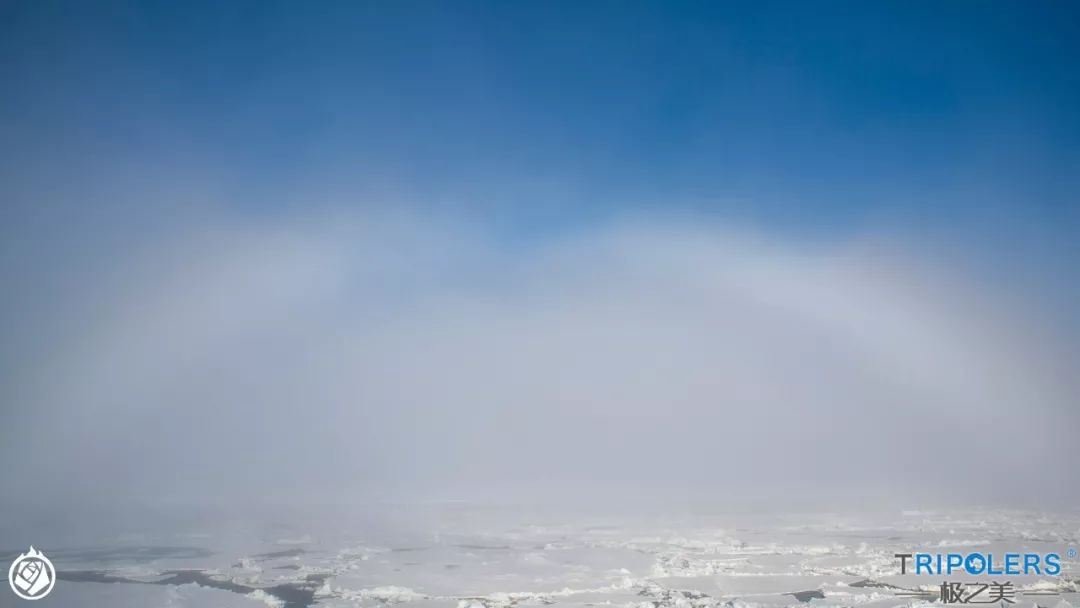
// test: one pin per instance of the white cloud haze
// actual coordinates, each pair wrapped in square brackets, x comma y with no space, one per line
[381,356]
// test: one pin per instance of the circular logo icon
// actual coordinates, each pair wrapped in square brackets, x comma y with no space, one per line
[32,575]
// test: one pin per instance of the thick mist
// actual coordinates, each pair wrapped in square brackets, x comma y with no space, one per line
[339,358]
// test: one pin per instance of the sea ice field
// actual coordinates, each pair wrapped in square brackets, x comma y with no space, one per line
[457,555]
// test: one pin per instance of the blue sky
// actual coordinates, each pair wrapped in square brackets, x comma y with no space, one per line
[543,115]
[805,232]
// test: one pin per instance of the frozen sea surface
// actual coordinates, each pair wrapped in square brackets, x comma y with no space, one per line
[462,556]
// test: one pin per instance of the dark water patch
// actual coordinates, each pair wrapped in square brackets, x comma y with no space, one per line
[484,547]
[138,554]
[806,596]
[92,576]
[662,597]
[295,595]
[867,583]
[276,554]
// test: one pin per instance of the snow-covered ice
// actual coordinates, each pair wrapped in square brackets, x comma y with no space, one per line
[472,557]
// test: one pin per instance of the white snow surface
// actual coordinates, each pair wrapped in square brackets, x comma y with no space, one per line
[460,556]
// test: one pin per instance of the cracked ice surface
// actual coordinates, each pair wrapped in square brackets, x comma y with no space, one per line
[459,556]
